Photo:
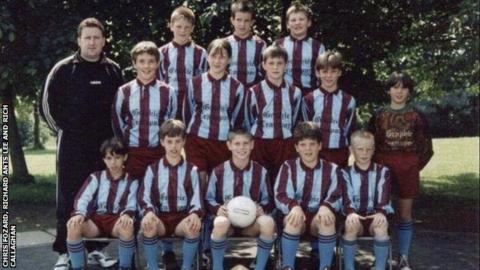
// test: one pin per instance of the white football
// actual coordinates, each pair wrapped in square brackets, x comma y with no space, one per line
[241,211]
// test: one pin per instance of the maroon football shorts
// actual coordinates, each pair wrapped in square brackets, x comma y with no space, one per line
[105,223]
[271,153]
[337,156]
[171,221]
[140,157]
[206,154]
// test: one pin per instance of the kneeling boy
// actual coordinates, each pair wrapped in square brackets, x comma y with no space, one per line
[306,192]
[366,201]
[169,197]
[240,176]
[105,205]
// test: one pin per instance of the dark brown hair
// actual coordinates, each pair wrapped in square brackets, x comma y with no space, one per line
[90,22]
[113,146]
[307,130]
[172,128]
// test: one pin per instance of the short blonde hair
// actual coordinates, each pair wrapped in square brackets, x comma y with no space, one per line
[329,59]
[363,134]
[147,47]
[298,7]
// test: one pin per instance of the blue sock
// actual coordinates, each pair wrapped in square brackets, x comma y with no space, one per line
[349,251]
[76,251]
[326,245]
[405,232]
[190,246]
[218,247]
[150,249]
[126,248]
[380,248]
[289,249]
[263,252]
[167,245]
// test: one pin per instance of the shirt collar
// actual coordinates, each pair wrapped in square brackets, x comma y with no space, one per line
[335,92]
[237,38]
[110,177]
[151,83]
[306,168]
[176,45]
[212,79]
[168,165]
[295,39]
[273,86]
[359,170]
[77,58]
[236,169]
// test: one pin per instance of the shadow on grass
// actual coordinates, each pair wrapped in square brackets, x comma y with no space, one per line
[42,191]
[463,186]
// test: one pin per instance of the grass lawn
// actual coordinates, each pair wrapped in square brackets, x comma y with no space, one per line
[450,184]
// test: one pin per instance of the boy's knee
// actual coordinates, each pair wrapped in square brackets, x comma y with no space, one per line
[351,230]
[126,233]
[290,229]
[380,231]
[267,225]
[221,225]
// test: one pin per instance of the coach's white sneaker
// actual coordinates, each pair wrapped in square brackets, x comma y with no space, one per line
[101,258]
[63,262]
[403,263]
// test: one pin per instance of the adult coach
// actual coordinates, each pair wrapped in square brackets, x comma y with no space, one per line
[76,104]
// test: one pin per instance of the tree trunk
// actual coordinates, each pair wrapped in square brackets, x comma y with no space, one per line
[17,157]
[37,144]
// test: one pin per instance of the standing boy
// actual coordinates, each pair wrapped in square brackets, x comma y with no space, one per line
[140,108]
[105,205]
[331,108]
[366,201]
[302,50]
[213,106]
[246,48]
[77,100]
[181,59]
[307,193]
[240,176]
[404,145]
[169,198]
[273,106]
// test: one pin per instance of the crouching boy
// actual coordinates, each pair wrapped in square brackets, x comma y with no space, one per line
[366,201]
[240,176]
[306,192]
[105,206]
[169,198]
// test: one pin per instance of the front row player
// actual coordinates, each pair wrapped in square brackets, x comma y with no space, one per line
[366,201]
[307,193]
[240,176]
[169,198]
[112,195]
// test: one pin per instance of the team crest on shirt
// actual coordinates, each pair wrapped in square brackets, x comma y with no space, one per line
[95,82]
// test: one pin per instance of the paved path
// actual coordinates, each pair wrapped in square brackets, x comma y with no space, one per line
[431,250]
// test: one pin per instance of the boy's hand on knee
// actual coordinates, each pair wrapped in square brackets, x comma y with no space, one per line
[260,211]
[379,219]
[222,211]
[149,221]
[194,223]
[326,216]
[296,216]
[125,221]
[76,221]
[353,219]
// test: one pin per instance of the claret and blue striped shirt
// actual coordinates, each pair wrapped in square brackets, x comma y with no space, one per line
[246,61]
[228,181]
[102,195]
[170,189]
[139,111]
[367,192]
[334,113]
[273,111]
[308,188]
[213,107]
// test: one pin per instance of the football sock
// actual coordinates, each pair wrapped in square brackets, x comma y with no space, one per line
[289,249]
[349,251]
[150,249]
[76,251]
[263,252]
[405,232]
[126,248]
[190,246]
[326,245]
[314,244]
[380,248]
[218,247]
